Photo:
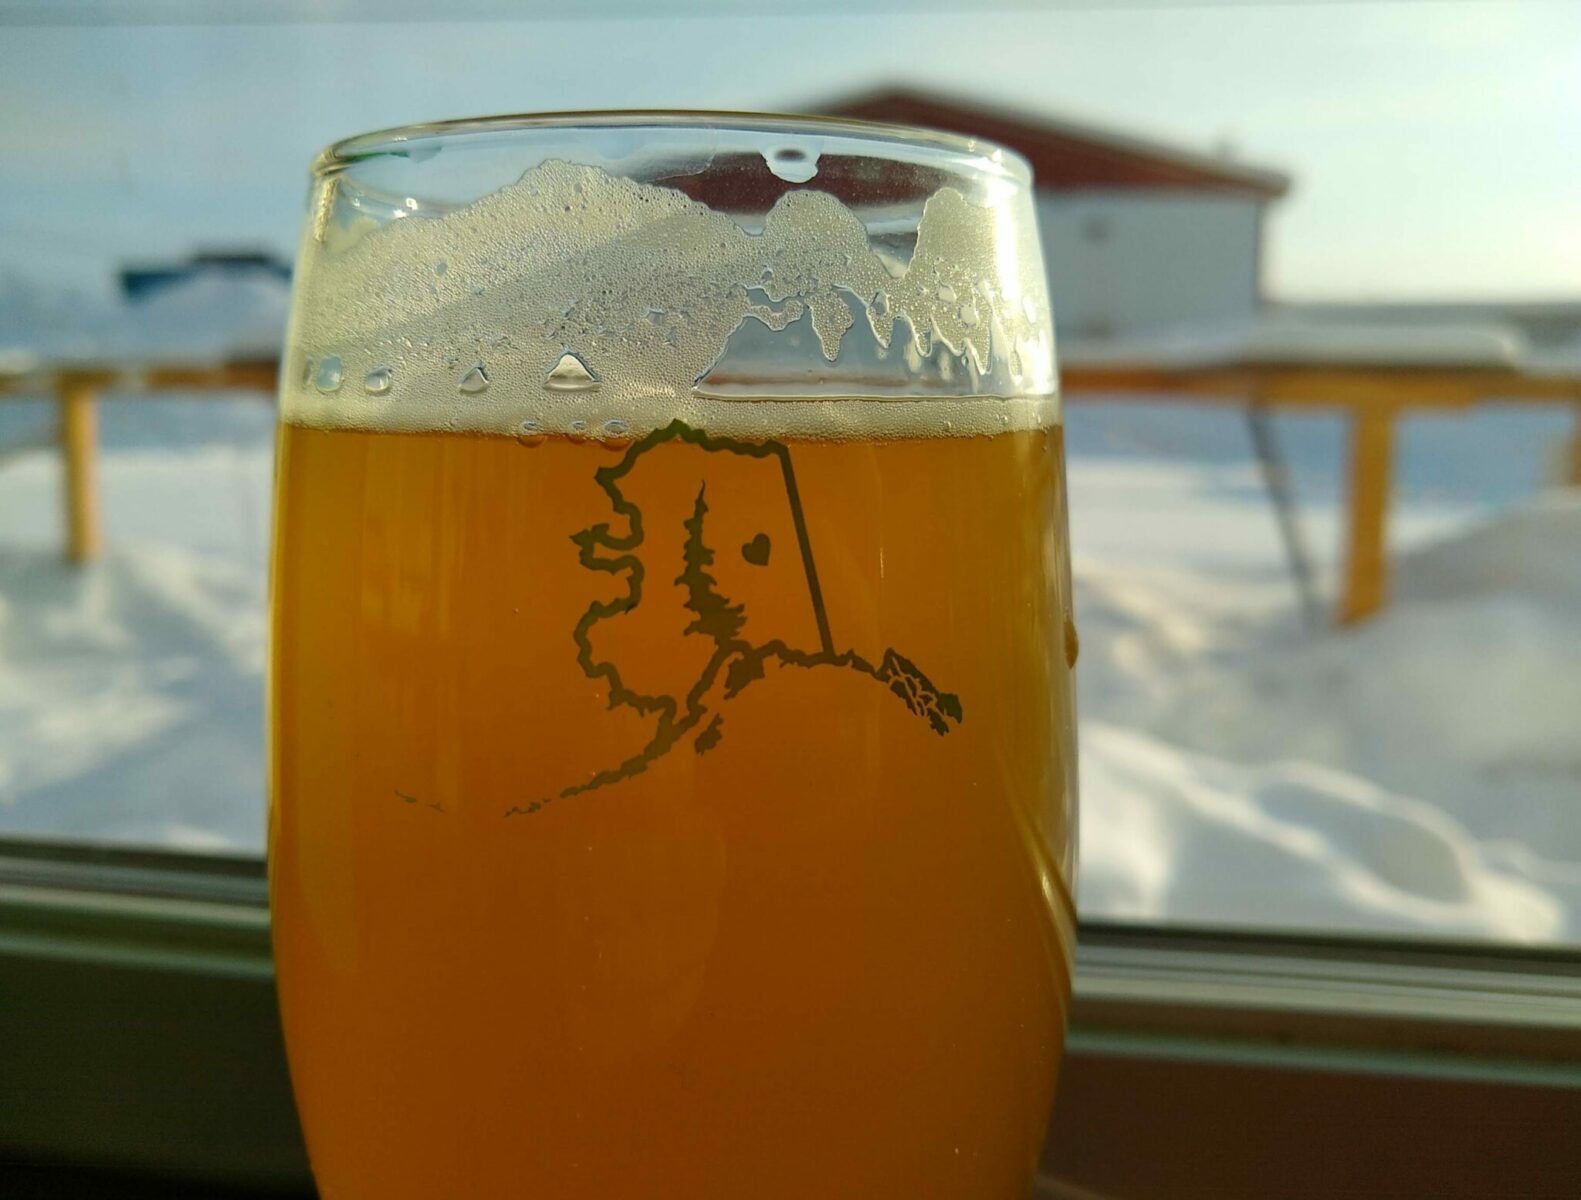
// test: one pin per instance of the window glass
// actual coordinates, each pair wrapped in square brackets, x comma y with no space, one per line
[1318,290]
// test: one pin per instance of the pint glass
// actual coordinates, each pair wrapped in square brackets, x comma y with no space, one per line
[671,722]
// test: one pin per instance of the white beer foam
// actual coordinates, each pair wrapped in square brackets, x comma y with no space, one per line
[574,300]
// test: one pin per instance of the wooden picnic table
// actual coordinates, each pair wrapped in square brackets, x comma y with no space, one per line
[1373,397]
[77,390]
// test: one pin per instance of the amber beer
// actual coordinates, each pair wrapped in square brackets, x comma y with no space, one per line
[822,951]
[671,730]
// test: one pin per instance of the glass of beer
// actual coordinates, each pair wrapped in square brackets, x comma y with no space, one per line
[671,723]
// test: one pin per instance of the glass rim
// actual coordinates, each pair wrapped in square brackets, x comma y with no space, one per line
[982,154]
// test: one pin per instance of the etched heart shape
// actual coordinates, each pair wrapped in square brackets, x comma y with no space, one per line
[756,551]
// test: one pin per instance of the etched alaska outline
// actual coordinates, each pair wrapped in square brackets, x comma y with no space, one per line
[600,548]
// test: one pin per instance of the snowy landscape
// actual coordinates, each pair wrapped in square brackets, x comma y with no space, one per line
[1417,774]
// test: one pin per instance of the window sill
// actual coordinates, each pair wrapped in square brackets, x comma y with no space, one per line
[140,1026]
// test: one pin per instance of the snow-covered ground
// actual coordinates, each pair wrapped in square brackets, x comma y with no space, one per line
[131,702]
[1420,773]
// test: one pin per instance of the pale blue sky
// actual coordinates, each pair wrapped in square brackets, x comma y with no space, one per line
[1434,145]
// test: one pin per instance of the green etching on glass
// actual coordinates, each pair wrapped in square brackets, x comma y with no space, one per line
[738,661]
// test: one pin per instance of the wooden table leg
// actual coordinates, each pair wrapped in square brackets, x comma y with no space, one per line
[1572,466]
[79,441]
[1276,481]
[1371,463]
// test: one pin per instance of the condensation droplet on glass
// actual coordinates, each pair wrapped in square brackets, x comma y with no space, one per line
[616,430]
[570,374]
[308,367]
[530,433]
[1030,307]
[968,314]
[880,305]
[578,431]
[329,374]
[946,293]
[793,164]
[1015,363]
[377,381]
[441,267]
[475,380]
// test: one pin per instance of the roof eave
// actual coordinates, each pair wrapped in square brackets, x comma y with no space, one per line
[1217,174]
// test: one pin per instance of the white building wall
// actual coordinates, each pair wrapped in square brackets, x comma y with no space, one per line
[1128,262]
